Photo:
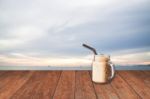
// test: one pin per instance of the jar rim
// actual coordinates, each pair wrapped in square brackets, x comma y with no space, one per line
[103,55]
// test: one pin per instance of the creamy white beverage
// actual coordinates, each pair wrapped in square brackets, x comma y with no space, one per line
[101,69]
[99,72]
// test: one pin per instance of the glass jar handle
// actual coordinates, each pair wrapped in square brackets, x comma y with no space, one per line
[112,71]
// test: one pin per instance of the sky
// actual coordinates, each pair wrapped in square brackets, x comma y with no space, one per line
[51,32]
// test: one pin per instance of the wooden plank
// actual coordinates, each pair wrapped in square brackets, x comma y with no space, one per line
[66,86]
[84,87]
[146,77]
[1,72]
[147,72]
[41,85]
[136,82]
[104,91]
[11,81]
[122,88]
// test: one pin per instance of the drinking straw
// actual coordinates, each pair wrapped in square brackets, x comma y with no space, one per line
[91,48]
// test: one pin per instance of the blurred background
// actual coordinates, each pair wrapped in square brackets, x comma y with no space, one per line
[51,32]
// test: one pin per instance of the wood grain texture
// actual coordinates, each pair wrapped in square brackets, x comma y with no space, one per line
[147,72]
[123,89]
[66,86]
[146,77]
[84,86]
[136,80]
[104,91]
[41,85]
[1,72]
[72,85]
[11,81]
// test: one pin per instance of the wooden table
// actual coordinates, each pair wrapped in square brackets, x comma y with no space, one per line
[72,85]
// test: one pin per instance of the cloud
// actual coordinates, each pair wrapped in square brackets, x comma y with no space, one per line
[132,59]
[52,30]
[18,59]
